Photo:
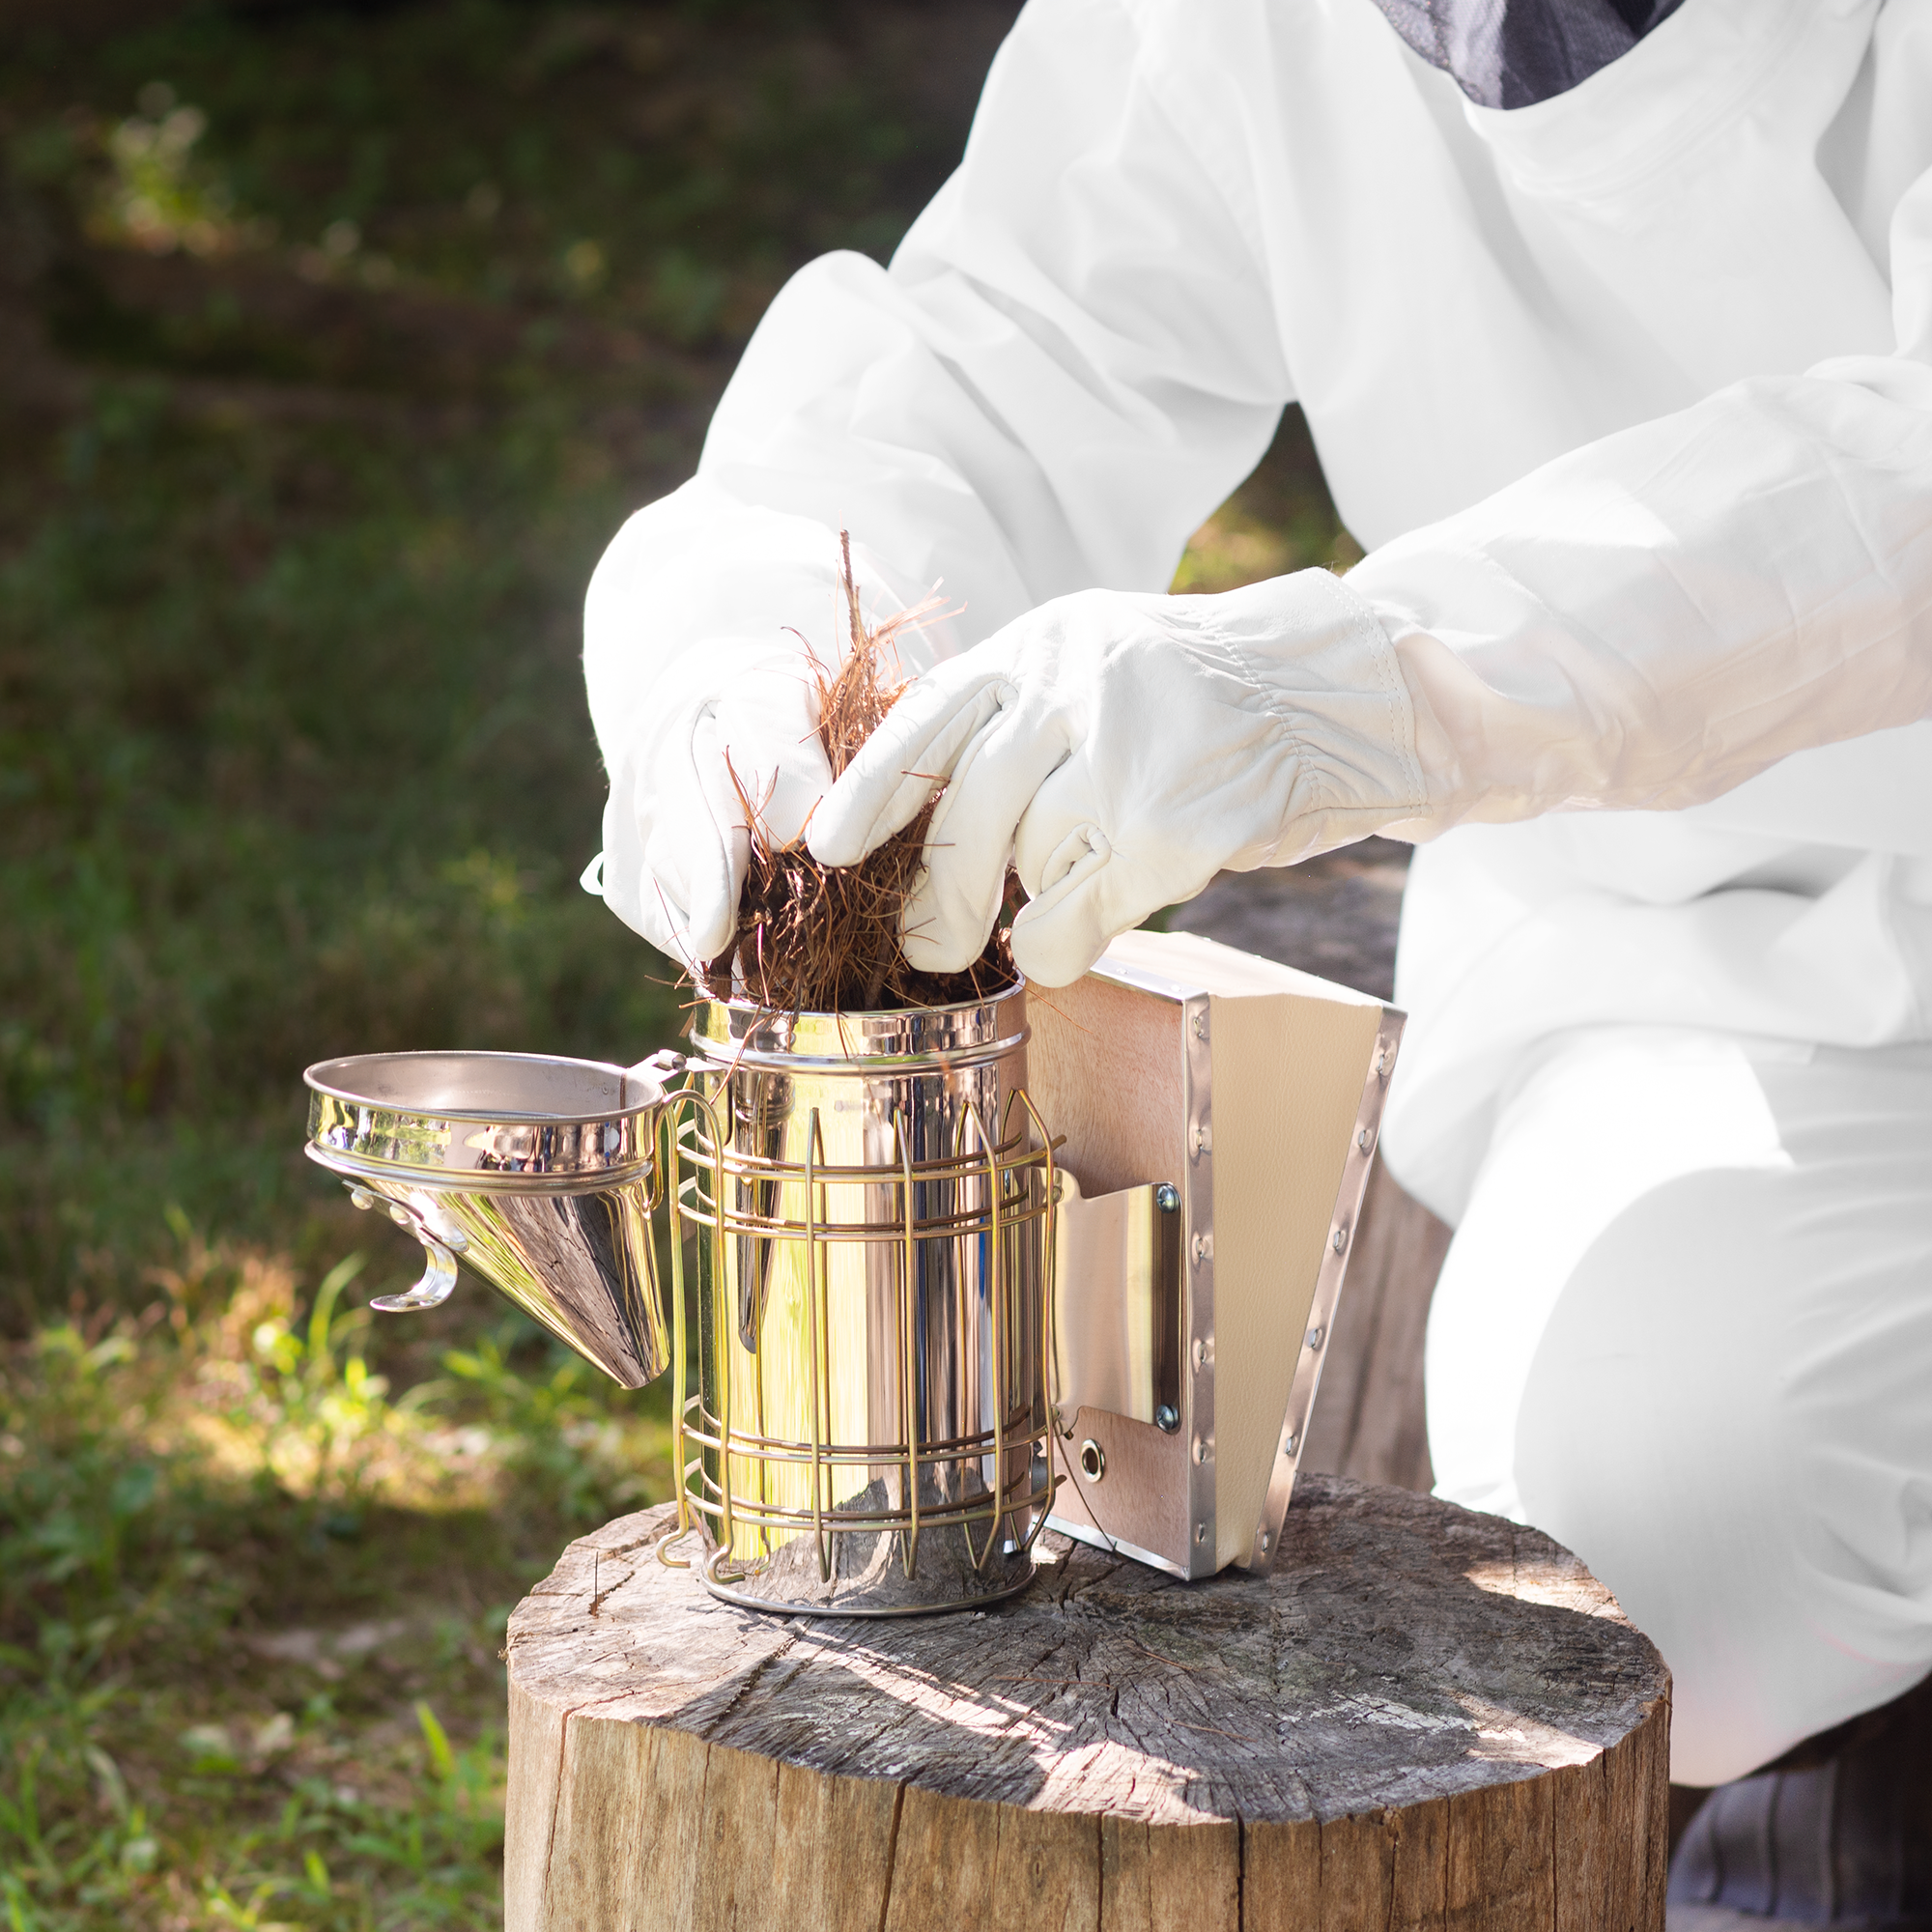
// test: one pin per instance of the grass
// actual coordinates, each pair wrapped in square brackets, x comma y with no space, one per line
[335,342]
[251,1595]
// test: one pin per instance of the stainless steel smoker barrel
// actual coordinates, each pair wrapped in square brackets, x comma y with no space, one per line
[541,1173]
[872,1195]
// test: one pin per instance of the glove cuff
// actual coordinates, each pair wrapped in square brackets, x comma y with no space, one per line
[1326,670]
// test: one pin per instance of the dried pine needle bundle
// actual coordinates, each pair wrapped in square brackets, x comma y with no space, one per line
[816,938]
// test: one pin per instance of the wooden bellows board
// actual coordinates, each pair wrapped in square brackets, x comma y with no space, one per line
[1220,1114]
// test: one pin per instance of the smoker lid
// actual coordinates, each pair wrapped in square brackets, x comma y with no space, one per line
[743,1032]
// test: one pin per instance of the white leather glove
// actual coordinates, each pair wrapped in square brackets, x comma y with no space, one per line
[1122,750]
[696,631]
[676,838]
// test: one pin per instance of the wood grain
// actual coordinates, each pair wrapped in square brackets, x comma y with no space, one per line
[1425,1718]
[1104,1068]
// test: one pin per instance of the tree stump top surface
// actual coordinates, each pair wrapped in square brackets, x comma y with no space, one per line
[1404,1651]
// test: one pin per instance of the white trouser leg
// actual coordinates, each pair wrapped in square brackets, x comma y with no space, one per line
[1686,1327]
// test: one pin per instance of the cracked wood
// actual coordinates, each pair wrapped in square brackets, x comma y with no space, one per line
[1426,1719]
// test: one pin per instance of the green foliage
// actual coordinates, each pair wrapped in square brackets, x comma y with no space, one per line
[470,148]
[334,343]
[267,697]
[572,1444]
[345,339]
[225,1699]
[384,319]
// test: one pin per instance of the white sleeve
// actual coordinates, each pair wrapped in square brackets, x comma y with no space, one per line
[1656,617]
[1070,362]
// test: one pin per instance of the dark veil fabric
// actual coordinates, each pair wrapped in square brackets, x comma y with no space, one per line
[1512,53]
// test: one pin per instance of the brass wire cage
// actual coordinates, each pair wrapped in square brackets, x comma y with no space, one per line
[868,1433]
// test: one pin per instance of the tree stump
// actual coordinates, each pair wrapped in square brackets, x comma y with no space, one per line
[1425,1718]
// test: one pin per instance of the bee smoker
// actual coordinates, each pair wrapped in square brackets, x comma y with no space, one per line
[942,1295]
[868,1199]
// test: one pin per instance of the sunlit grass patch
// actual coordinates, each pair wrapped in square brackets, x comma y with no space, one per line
[251,1591]
[1280,520]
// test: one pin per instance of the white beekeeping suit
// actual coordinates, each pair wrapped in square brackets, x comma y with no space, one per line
[1629,395]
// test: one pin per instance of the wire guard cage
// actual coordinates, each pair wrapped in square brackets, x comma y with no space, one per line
[869,1201]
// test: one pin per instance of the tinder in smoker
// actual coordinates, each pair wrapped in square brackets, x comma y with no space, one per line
[1613,323]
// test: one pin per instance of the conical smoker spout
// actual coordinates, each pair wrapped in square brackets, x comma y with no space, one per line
[540,1172]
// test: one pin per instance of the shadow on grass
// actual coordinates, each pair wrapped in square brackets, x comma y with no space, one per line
[254,1572]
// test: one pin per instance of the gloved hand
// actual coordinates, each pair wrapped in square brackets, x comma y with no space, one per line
[677,832]
[1122,750]
[696,652]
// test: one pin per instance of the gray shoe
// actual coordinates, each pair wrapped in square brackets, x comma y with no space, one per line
[1722,1919]
[1836,1832]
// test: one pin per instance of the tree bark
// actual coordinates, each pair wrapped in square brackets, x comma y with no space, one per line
[1425,1718]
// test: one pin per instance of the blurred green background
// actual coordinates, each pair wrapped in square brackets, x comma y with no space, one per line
[334,344]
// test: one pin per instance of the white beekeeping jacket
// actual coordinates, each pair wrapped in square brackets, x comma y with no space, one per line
[1628,393]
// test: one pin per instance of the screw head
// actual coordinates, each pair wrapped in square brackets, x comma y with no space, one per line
[1167,1418]
[1339,1239]
[1167,1197]
[1268,1543]
[1365,1139]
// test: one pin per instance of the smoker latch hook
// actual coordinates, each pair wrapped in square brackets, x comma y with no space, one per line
[668,1063]
[438,1275]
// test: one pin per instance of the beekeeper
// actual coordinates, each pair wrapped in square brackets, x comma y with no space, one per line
[1615,333]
